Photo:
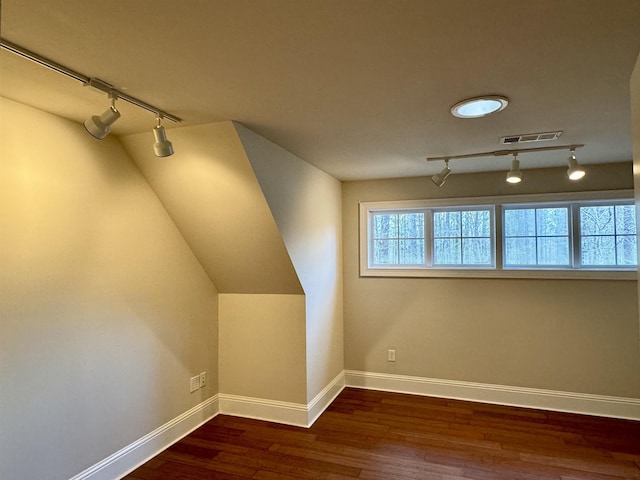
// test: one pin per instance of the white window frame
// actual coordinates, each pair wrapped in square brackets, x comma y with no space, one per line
[462,208]
[577,244]
[571,234]
[371,239]
[497,271]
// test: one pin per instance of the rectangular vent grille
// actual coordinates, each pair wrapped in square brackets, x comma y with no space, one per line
[530,137]
[505,140]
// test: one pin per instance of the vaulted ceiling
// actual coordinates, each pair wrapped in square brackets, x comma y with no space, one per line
[359,88]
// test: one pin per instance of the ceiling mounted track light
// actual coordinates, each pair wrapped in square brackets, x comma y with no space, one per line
[439,178]
[162,147]
[100,126]
[514,175]
[575,171]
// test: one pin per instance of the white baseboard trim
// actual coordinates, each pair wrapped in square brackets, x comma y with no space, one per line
[135,454]
[297,414]
[264,409]
[321,401]
[132,456]
[583,403]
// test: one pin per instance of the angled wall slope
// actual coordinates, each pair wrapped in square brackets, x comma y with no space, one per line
[213,196]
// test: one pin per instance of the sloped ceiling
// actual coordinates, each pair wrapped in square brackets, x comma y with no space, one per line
[359,88]
[211,193]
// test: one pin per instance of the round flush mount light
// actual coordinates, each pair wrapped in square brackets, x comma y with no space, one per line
[477,107]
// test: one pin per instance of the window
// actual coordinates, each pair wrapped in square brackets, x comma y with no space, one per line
[462,237]
[608,236]
[536,237]
[398,238]
[426,238]
[580,235]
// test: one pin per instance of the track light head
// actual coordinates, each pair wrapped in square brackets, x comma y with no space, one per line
[514,175]
[439,178]
[162,147]
[100,126]
[575,171]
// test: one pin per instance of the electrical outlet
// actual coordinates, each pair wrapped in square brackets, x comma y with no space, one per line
[203,379]
[194,384]
[391,355]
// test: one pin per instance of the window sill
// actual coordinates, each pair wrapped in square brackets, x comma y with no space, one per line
[626,275]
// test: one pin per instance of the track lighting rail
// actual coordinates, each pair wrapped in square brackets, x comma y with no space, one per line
[93,82]
[502,153]
[514,176]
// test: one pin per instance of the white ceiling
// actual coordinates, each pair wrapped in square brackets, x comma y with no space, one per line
[359,88]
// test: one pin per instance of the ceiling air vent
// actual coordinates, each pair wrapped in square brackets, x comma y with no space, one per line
[530,137]
[505,140]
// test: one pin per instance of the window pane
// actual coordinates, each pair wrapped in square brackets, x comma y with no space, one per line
[553,251]
[608,235]
[447,251]
[385,226]
[446,224]
[411,225]
[385,252]
[598,250]
[625,219]
[536,237]
[476,223]
[552,221]
[476,251]
[520,222]
[627,250]
[466,234]
[597,220]
[412,252]
[520,251]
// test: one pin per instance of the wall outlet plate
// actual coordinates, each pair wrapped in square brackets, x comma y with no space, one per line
[194,384]
[391,355]
[203,379]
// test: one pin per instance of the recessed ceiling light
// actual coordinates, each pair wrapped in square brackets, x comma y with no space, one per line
[479,106]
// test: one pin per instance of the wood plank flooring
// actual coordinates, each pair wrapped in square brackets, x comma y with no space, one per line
[377,435]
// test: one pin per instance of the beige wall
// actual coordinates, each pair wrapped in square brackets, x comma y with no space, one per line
[105,312]
[578,336]
[306,204]
[262,346]
[634,86]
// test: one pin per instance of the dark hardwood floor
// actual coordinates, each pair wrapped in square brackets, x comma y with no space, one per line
[377,435]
